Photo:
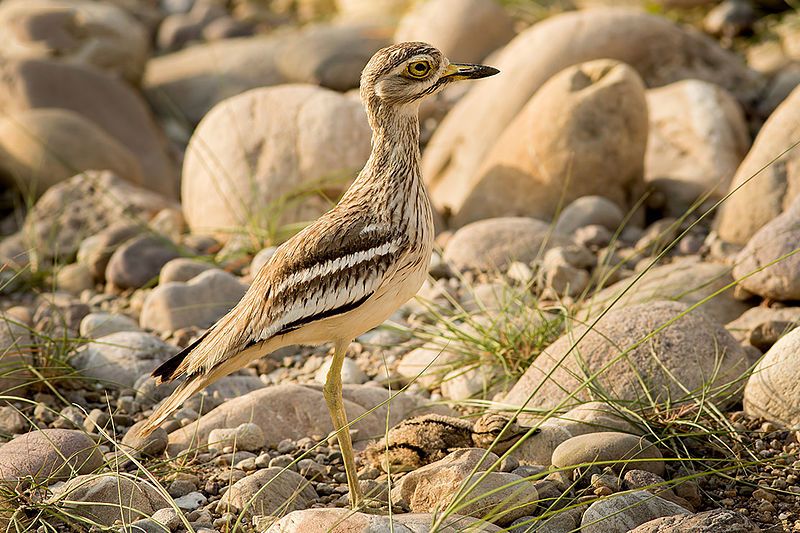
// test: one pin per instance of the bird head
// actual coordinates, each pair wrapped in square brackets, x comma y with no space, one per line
[399,76]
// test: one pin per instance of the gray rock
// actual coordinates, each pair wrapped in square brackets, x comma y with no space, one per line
[759,316]
[107,498]
[49,455]
[97,249]
[261,258]
[773,390]
[587,211]
[16,346]
[332,56]
[623,512]
[354,522]
[120,358]
[610,448]
[269,490]
[778,238]
[686,281]
[11,421]
[74,278]
[96,325]
[182,269]
[152,445]
[690,354]
[191,501]
[199,302]
[275,410]
[247,437]
[491,244]
[715,521]
[351,373]
[138,262]
[193,80]
[82,206]
[228,387]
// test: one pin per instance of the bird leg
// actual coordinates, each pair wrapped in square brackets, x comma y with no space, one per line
[333,396]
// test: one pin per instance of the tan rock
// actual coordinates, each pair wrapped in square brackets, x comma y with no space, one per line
[294,412]
[692,355]
[773,391]
[758,316]
[714,521]
[279,141]
[270,491]
[42,147]
[660,51]
[772,190]
[75,31]
[571,139]
[769,264]
[466,31]
[98,96]
[623,512]
[698,137]
[198,77]
[620,451]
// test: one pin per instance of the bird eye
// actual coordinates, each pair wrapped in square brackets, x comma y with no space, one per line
[418,69]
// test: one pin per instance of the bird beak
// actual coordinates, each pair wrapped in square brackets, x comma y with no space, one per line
[463,71]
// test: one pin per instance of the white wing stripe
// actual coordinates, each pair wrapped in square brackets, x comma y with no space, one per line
[334,266]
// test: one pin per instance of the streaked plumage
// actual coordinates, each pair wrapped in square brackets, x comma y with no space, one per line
[354,266]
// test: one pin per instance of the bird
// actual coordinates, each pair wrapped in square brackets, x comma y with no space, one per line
[349,270]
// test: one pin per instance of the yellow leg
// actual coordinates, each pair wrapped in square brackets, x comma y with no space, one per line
[333,396]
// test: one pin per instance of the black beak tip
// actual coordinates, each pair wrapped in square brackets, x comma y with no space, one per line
[484,71]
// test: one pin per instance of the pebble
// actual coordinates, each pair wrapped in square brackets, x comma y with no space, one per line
[191,501]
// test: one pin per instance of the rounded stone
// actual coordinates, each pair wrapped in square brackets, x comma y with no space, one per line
[773,390]
[670,354]
[466,31]
[270,490]
[74,278]
[572,139]
[96,325]
[588,211]
[769,264]
[152,445]
[492,244]
[182,269]
[714,521]
[277,141]
[246,437]
[49,455]
[138,262]
[198,302]
[623,512]
[620,451]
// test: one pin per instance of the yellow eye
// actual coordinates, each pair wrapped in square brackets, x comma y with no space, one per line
[418,69]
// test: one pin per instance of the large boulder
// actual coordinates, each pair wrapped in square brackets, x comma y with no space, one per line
[768,180]
[75,31]
[623,512]
[686,281]
[83,205]
[772,392]
[659,50]
[188,83]
[466,31]
[492,244]
[769,264]
[255,150]
[100,97]
[42,147]
[698,137]
[635,360]
[48,455]
[572,139]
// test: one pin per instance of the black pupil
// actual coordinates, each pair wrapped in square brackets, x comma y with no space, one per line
[419,67]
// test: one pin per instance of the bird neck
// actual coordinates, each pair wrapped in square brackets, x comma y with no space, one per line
[395,144]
